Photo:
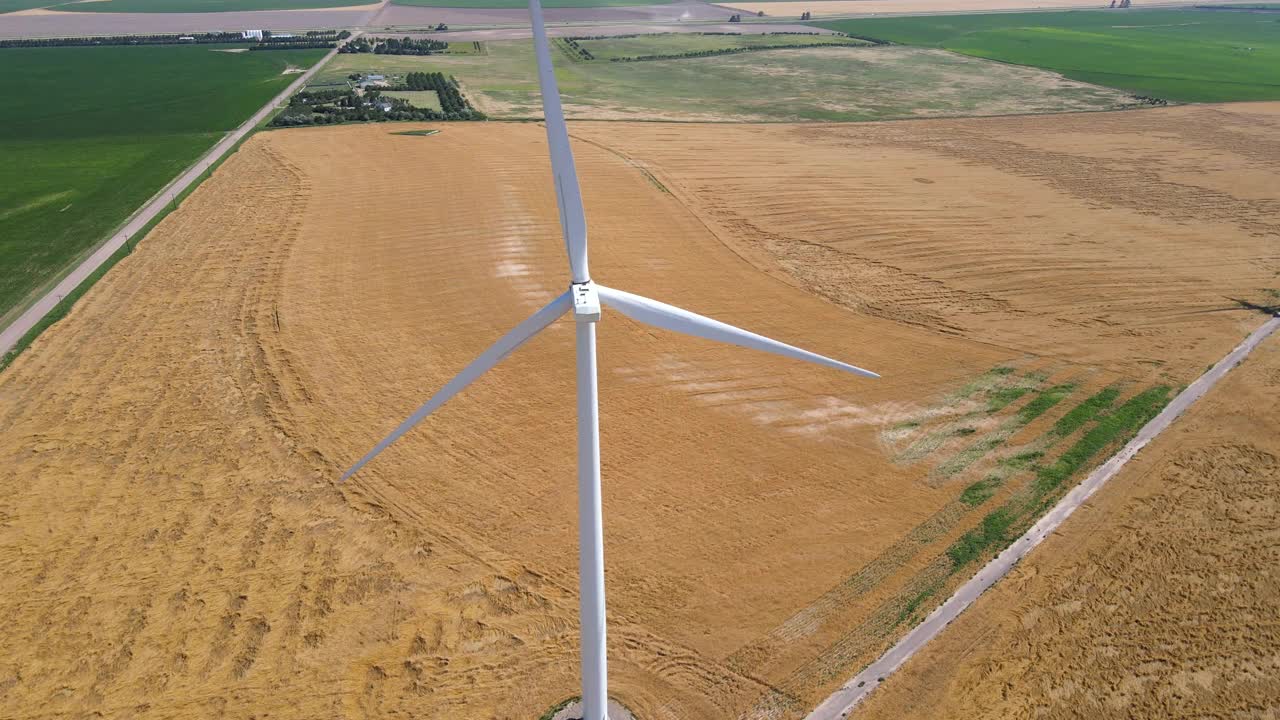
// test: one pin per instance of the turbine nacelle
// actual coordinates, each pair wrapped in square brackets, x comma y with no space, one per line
[586,302]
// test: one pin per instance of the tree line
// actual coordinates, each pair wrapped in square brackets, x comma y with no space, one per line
[311,39]
[575,51]
[719,51]
[392,46]
[304,45]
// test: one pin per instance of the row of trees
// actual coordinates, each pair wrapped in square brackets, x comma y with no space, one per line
[575,51]
[311,39]
[393,46]
[718,51]
[304,45]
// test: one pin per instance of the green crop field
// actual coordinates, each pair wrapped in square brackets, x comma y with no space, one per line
[525,4]
[677,43]
[427,99]
[194,6]
[1184,55]
[8,6]
[89,133]
[787,85]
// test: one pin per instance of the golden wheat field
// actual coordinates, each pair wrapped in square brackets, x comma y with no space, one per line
[175,544]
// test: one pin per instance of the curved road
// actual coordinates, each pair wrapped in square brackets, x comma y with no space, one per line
[12,334]
[843,701]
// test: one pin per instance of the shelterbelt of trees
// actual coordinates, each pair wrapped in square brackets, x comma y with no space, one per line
[312,39]
[331,107]
[393,46]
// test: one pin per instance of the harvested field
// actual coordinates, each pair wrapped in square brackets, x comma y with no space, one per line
[169,449]
[200,555]
[1157,598]
[1121,240]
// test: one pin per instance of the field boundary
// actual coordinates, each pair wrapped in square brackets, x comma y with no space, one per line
[139,222]
[843,701]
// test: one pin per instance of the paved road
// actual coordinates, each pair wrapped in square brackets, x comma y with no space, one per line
[843,701]
[12,334]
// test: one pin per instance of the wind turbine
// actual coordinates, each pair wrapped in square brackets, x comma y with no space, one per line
[584,297]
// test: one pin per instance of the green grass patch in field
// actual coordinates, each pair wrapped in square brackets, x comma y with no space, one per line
[827,83]
[197,6]
[426,99]
[1187,55]
[1114,427]
[981,491]
[999,527]
[418,133]
[1084,412]
[997,399]
[991,533]
[1001,398]
[90,133]
[608,49]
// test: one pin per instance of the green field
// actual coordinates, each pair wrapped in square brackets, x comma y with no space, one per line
[8,6]
[425,99]
[524,4]
[677,43]
[825,83]
[1184,55]
[193,6]
[88,134]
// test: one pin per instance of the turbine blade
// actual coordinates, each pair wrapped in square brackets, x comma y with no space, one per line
[669,317]
[506,344]
[573,222]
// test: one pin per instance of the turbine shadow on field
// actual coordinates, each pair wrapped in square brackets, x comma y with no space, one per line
[1272,309]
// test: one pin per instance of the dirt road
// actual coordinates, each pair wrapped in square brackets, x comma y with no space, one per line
[844,700]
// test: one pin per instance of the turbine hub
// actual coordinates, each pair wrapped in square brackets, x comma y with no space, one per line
[586,302]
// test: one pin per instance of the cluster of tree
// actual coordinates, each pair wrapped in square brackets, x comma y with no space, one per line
[330,107]
[1121,4]
[806,15]
[717,51]
[451,100]
[736,17]
[1150,100]
[311,39]
[301,45]
[633,35]
[575,51]
[867,39]
[392,46]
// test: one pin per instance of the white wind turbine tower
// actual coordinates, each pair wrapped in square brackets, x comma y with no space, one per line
[585,297]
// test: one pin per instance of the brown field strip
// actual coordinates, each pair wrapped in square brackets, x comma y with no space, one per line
[174,544]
